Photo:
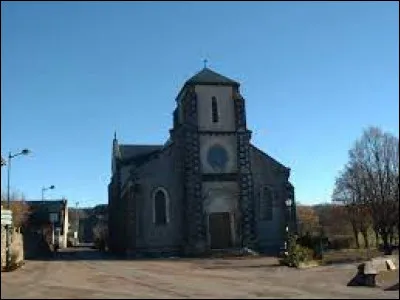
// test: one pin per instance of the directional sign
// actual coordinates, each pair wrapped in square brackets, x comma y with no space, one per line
[6,217]
[5,222]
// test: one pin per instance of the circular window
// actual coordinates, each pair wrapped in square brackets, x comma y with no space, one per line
[217,157]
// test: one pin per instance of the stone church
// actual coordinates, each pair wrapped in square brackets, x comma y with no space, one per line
[207,188]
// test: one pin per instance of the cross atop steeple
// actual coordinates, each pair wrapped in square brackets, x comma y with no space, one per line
[205,61]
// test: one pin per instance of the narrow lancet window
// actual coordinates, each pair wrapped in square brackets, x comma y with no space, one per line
[214,110]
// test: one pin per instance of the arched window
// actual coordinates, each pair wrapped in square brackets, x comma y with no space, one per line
[214,110]
[161,206]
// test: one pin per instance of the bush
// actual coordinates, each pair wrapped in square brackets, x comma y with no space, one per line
[317,243]
[296,253]
[308,241]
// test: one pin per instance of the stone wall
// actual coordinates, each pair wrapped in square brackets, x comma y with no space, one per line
[159,172]
[268,172]
[17,246]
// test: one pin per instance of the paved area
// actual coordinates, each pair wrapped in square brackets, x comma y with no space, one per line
[84,273]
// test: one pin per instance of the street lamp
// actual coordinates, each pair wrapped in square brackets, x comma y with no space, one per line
[288,203]
[52,187]
[8,227]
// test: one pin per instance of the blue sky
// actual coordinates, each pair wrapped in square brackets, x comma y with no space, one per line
[314,75]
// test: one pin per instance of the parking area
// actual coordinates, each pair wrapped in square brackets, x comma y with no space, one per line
[85,273]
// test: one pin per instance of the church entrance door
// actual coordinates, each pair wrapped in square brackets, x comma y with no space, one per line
[220,230]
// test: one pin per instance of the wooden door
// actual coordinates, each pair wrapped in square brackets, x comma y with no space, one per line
[220,230]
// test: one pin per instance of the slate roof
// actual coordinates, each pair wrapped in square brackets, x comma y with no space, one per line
[208,76]
[143,158]
[167,143]
[46,205]
[130,151]
[49,203]
[282,166]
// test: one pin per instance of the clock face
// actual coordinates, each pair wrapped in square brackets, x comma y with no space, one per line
[217,157]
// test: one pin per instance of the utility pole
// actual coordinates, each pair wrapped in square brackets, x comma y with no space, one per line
[52,187]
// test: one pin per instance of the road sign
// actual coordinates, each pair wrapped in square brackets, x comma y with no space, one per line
[6,216]
[6,222]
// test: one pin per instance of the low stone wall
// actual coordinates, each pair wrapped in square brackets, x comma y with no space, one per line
[17,246]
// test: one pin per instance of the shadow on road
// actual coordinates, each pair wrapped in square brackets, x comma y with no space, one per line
[393,288]
[88,253]
[35,246]
[75,253]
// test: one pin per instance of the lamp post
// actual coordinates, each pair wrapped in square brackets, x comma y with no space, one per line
[8,227]
[52,187]
[288,203]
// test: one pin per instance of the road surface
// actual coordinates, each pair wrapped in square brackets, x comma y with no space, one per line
[85,273]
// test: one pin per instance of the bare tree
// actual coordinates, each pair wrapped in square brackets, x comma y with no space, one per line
[345,194]
[20,209]
[333,218]
[370,182]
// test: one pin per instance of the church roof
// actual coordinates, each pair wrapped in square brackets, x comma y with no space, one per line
[129,151]
[209,77]
[273,160]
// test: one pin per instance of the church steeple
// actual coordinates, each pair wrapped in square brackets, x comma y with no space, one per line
[115,144]
[115,152]
[208,77]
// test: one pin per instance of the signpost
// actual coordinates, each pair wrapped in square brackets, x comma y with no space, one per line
[6,217]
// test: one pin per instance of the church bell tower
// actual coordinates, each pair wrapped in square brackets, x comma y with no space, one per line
[211,134]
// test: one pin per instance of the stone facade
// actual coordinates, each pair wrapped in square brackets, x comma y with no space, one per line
[206,174]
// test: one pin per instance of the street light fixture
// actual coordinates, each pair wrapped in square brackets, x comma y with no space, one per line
[288,203]
[52,187]
[8,227]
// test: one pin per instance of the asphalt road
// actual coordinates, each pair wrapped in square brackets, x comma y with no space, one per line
[85,273]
